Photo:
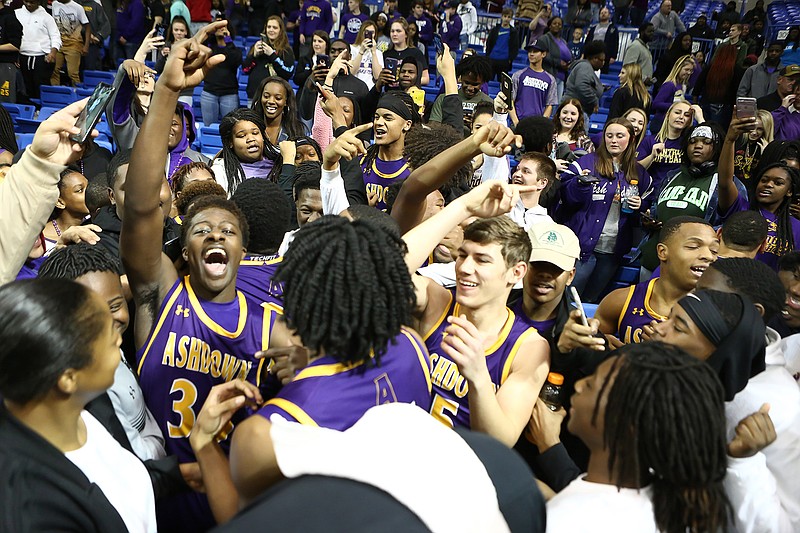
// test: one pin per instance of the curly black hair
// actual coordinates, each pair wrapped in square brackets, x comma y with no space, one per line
[268,212]
[755,280]
[423,143]
[76,260]
[347,290]
[476,64]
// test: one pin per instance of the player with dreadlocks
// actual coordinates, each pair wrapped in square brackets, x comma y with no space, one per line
[246,152]
[347,296]
[653,419]
[472,72]
[384,162]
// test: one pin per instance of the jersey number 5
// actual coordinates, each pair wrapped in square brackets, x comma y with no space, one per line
[440,406]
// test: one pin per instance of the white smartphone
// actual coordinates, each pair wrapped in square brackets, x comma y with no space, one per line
[576,301]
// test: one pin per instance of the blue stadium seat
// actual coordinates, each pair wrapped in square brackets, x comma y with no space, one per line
[589,309]
[18,111]
[26,125]
[24,139]
[45,112]
[92,77]
[57,96]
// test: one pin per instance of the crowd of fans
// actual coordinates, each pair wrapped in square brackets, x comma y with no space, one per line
[400,236]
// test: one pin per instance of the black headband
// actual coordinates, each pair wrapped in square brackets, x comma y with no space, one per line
[706,316]
[395,105]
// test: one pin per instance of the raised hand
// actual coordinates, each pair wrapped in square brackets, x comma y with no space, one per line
[52,139]
[576,335]
[347,145]
[493,198]
[190,60]
[464,344]
[738,126]
[495,139]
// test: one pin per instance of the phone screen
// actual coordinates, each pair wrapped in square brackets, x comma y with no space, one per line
[160,30]
[392,64]
[323,61]
[745,107]
[90,115]
[437,41]
[505,85]
[369,34]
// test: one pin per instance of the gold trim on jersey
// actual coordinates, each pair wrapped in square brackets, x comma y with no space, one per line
[330,369]
[513,353]
[625,305]
[504,331]
[260,262]
[647,307]
[210,324]
[381,174]
[266,333]
[426,366]
[294,410]
[166,311]
[439,321]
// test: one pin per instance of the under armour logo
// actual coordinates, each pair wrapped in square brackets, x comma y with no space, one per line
[637,311]
[181,310]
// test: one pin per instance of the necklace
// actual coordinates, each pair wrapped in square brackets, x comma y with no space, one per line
[55,226]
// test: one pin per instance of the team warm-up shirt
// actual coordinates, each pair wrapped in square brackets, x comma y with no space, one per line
[637,313]
[194,346]
[330,394]
[450,388]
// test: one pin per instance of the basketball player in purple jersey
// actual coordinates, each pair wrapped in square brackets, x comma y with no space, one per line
[195,332]
[347,296]
[267,211]
[488,366]
[686,247]
[384,163]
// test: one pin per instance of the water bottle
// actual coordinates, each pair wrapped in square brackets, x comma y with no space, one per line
[551,391]
[632,190]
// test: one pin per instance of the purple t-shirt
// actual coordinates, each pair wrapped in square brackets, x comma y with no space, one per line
[533,91]
[424,28]
[669,159]
[566,55]
[351,24]
[773,250]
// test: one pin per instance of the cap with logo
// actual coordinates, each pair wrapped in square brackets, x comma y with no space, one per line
[554,243]
[790,70]
[536,44]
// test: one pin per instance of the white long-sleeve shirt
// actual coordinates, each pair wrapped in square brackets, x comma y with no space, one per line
[469,18]
[39,32]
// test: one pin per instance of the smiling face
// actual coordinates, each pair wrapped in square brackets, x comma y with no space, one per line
[681,331]
[773,188]
[568,117]
[309,206]
[108,287]
[527,173]
[545,282]
[72,194]
[637,121]
[471,84]
[482,275]
[791,309]
[616,138]
[686,71]
[273,30]
[687,253]
[535,57]
[556,25]
[213,249]
[757,133]
[273,100]
[175,131]
[248,142]
[623,77]
[388,127]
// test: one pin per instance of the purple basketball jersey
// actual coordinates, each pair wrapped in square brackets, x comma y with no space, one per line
[332,395]
[254,279]
[636,313]
[450,388]
[189,352]
[381,174]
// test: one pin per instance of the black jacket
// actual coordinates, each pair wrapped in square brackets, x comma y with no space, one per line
[611,41]
[10,33]
[42,490]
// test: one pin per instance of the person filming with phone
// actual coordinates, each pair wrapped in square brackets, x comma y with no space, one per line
[602,194]
[367,60]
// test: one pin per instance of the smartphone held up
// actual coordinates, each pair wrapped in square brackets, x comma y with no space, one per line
[91,114]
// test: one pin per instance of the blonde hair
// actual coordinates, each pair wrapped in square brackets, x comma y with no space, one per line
[769,126]
[663,133]
[679,64]
[641,134]
[634,83]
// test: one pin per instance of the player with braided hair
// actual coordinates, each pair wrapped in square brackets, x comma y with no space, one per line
[347,296]
[653,419]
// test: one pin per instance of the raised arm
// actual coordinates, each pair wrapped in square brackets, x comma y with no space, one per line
[149,272]
[727,188]
[493,139]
